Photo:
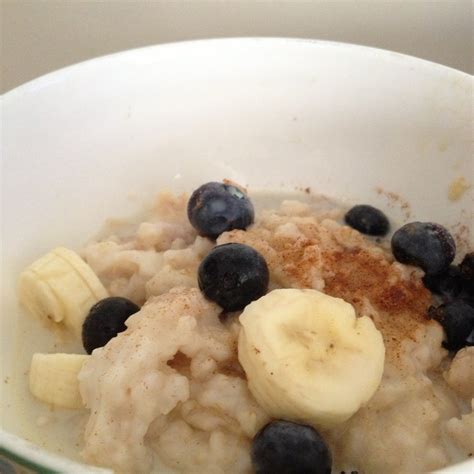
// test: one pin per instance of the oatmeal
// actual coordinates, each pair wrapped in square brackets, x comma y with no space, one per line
[166,378]
[169,390]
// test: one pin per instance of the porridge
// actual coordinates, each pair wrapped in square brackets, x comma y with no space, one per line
[286,327]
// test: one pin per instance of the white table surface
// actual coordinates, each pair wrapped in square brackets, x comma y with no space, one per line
[43,35]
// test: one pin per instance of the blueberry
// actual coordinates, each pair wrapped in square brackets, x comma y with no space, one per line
[215,208]
[448,284]
[457,319]
[233,275]
[425,245]
[451,284]
[283,447]
[368,220]
[467,267]
[105,320]
[470,339]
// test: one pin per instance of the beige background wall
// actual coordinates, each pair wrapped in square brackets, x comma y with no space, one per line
[43,35]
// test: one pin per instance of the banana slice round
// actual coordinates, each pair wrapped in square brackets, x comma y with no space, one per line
[60,288]
[308,357]
[53,379]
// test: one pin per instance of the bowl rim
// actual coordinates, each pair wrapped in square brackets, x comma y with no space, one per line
[39,81]
[40,461]
[30,455]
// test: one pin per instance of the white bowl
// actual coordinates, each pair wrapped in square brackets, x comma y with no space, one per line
[351,122]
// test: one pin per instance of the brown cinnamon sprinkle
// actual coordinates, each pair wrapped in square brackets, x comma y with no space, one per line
[401,304]
[359,276]
[298,258]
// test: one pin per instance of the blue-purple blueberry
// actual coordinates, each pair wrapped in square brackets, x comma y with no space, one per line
[215,208]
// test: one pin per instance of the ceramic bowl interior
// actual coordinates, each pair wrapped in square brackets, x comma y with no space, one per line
[98,139]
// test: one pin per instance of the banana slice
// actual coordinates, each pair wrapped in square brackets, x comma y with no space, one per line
[60,288]
[308,357]
[53,379]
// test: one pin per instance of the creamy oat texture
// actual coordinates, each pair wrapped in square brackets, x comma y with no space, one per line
[169,390]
